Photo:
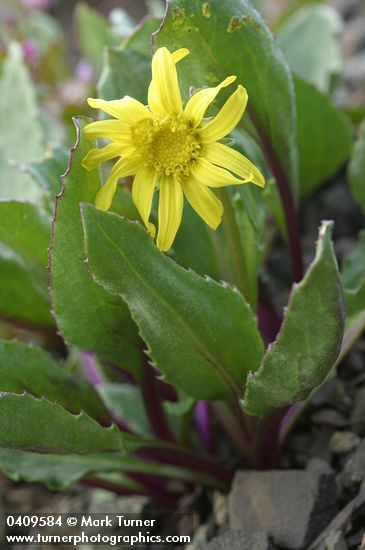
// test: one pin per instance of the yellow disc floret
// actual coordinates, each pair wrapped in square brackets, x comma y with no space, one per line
[169,145]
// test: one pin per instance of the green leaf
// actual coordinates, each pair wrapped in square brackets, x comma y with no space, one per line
[94,33]
[47,172]
[231,38]
[125,73]
[251,220]
[271,197]
[57,471]
[36,424]
[21,137]
[353,268]
[24,300]
[196,246]
[26,230]
[311,42]
[140,40]
[23,368]
[356,171]
[324,136]
[201,335]
[353,279]
[24,239]
[309,340]
[62,471]
[125,401]
[179,408]
[88,317]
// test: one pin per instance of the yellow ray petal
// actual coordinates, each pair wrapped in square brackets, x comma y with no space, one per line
[142,193]
[232,160]
[170,208]
[126,166]
[199,102]
[164,92]
[96,156]
[227,118]
[204,201]
[127,109]
[179,54]
[110,129]
[213,176]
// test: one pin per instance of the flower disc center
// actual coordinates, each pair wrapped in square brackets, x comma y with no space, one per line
[170,145]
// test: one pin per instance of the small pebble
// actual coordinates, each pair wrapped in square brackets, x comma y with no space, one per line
[336,541]
[354,471]
[344,442]
[220,509]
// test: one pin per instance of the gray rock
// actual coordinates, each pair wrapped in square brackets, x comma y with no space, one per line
[354,470]
[344,442]
[239,540]
[329,417]
[199,539]
[357,419]
[335,541]
[319,465]
[292,506]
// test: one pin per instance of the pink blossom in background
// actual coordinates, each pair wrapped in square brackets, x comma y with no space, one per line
[37,4]
[30,50]
[84,71]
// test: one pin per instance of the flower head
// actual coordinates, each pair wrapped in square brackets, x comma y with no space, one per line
[174,149]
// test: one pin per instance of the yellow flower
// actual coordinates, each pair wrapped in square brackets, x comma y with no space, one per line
[171,148]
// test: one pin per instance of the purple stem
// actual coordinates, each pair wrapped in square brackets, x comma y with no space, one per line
[287,199]
[274,431]
[122,424]
[202,416]
[290,417]
[123,375]
[156,488]
[93,375]
[110,486]
[188,459]
[154,405]
[269,322]
[91,369]
[267,444]
[167,392]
